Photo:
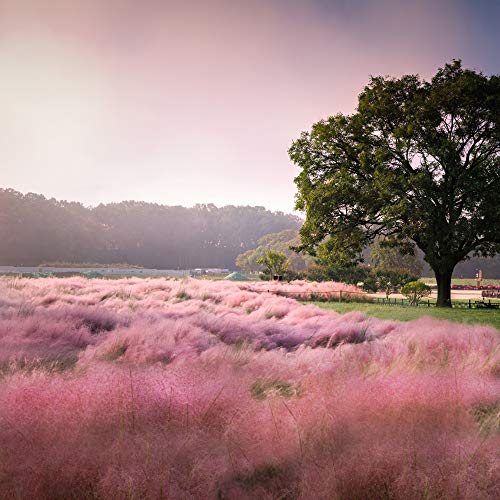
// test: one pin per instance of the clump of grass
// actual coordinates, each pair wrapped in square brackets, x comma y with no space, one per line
[38,274]
[27,366]
[92,275]
[118,294]
[261,389]
[25,309]
[412,348]
[259,476]
[487,416]
[183,295]
[495,369]
[115,352]
[274,314]
[14,283]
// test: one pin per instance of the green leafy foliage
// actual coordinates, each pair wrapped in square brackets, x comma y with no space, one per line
[414,291]
[401,256]
[391,280]
[275,263]
[487,416]
[279,242]
[418,161]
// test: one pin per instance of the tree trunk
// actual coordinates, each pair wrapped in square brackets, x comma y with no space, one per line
[443,279]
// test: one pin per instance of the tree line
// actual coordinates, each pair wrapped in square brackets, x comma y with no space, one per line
[34,230]
[374,258]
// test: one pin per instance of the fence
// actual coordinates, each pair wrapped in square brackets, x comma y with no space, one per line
[333,296]
[349,296]
[460,304]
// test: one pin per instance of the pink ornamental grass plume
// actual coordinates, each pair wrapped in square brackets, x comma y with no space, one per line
[193,389]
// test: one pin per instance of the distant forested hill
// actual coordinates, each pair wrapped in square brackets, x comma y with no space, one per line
[34,229]
[467,268]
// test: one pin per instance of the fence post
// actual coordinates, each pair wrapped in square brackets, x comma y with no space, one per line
[470,305]
[340,295]
[428,303]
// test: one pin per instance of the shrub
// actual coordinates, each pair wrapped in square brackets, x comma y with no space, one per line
[391,280]
[92,274]
[414,291]
[38,274]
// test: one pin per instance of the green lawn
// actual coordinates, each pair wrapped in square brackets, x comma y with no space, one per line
[398,313]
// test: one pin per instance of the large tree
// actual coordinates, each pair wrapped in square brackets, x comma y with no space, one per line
[417,161]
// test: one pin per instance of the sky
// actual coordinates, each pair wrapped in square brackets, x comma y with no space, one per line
[185,102]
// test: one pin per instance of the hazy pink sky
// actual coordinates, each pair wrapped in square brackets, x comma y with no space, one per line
[198,101]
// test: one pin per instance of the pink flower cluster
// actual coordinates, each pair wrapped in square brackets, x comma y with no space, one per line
[195,389]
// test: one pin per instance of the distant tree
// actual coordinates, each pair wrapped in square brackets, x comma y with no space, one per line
[275,263]
[415,291]
[391,280]
[247,261]
[387,257]
[417,161]
[279,242]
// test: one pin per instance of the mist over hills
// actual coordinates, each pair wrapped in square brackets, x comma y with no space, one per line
[34,229]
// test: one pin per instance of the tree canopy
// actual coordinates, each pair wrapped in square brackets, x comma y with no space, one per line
[383,256]
[280,242]
[417,161]
[275,263]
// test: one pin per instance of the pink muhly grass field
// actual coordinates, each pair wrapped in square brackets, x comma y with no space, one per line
[196,389]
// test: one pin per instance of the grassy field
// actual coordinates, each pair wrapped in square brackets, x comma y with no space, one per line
[463,281]
[213,389]
[398,313]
